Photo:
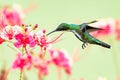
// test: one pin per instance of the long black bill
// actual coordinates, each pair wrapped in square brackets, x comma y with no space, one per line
[51,32]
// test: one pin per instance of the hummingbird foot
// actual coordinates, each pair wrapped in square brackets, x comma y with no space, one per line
[84,45]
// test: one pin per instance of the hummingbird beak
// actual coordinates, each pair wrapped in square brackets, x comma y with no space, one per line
[51,32]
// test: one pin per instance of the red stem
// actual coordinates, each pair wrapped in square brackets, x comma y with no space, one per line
[59,73]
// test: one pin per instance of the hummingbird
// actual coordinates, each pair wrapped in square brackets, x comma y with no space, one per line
[82,33]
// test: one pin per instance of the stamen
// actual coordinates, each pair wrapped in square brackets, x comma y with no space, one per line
[55,39]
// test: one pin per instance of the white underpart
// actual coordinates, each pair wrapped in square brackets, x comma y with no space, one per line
[77,34]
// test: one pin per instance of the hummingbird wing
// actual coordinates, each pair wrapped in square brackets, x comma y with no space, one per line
[91,29]
[88,28]
[85,27]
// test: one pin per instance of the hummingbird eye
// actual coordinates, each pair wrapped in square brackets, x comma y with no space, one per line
[62,27]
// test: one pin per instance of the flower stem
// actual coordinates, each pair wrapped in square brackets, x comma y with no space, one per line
[115,59]
[59,73]
[20,75]
[41,77]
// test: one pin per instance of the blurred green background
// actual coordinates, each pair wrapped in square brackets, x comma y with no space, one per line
[94,61]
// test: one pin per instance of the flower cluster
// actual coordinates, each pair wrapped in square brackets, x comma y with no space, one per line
[26,39]
[10,16]
[61,59]
[22,61]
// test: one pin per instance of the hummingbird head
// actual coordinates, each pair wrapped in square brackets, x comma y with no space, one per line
[61,27]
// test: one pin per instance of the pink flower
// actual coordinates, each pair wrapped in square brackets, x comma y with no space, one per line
[61,59]
[1,40]
[24,40]
[13,16]
[41,65]
[7,33]
[22,61]
[43,69]
[24,37]
[117,29]
[2,23]
[117,34]
[41,39]
[106,25]
[106,31]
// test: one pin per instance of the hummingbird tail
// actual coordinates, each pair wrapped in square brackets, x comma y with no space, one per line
[104,45]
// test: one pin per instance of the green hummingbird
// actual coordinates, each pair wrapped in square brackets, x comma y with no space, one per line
[82,33]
